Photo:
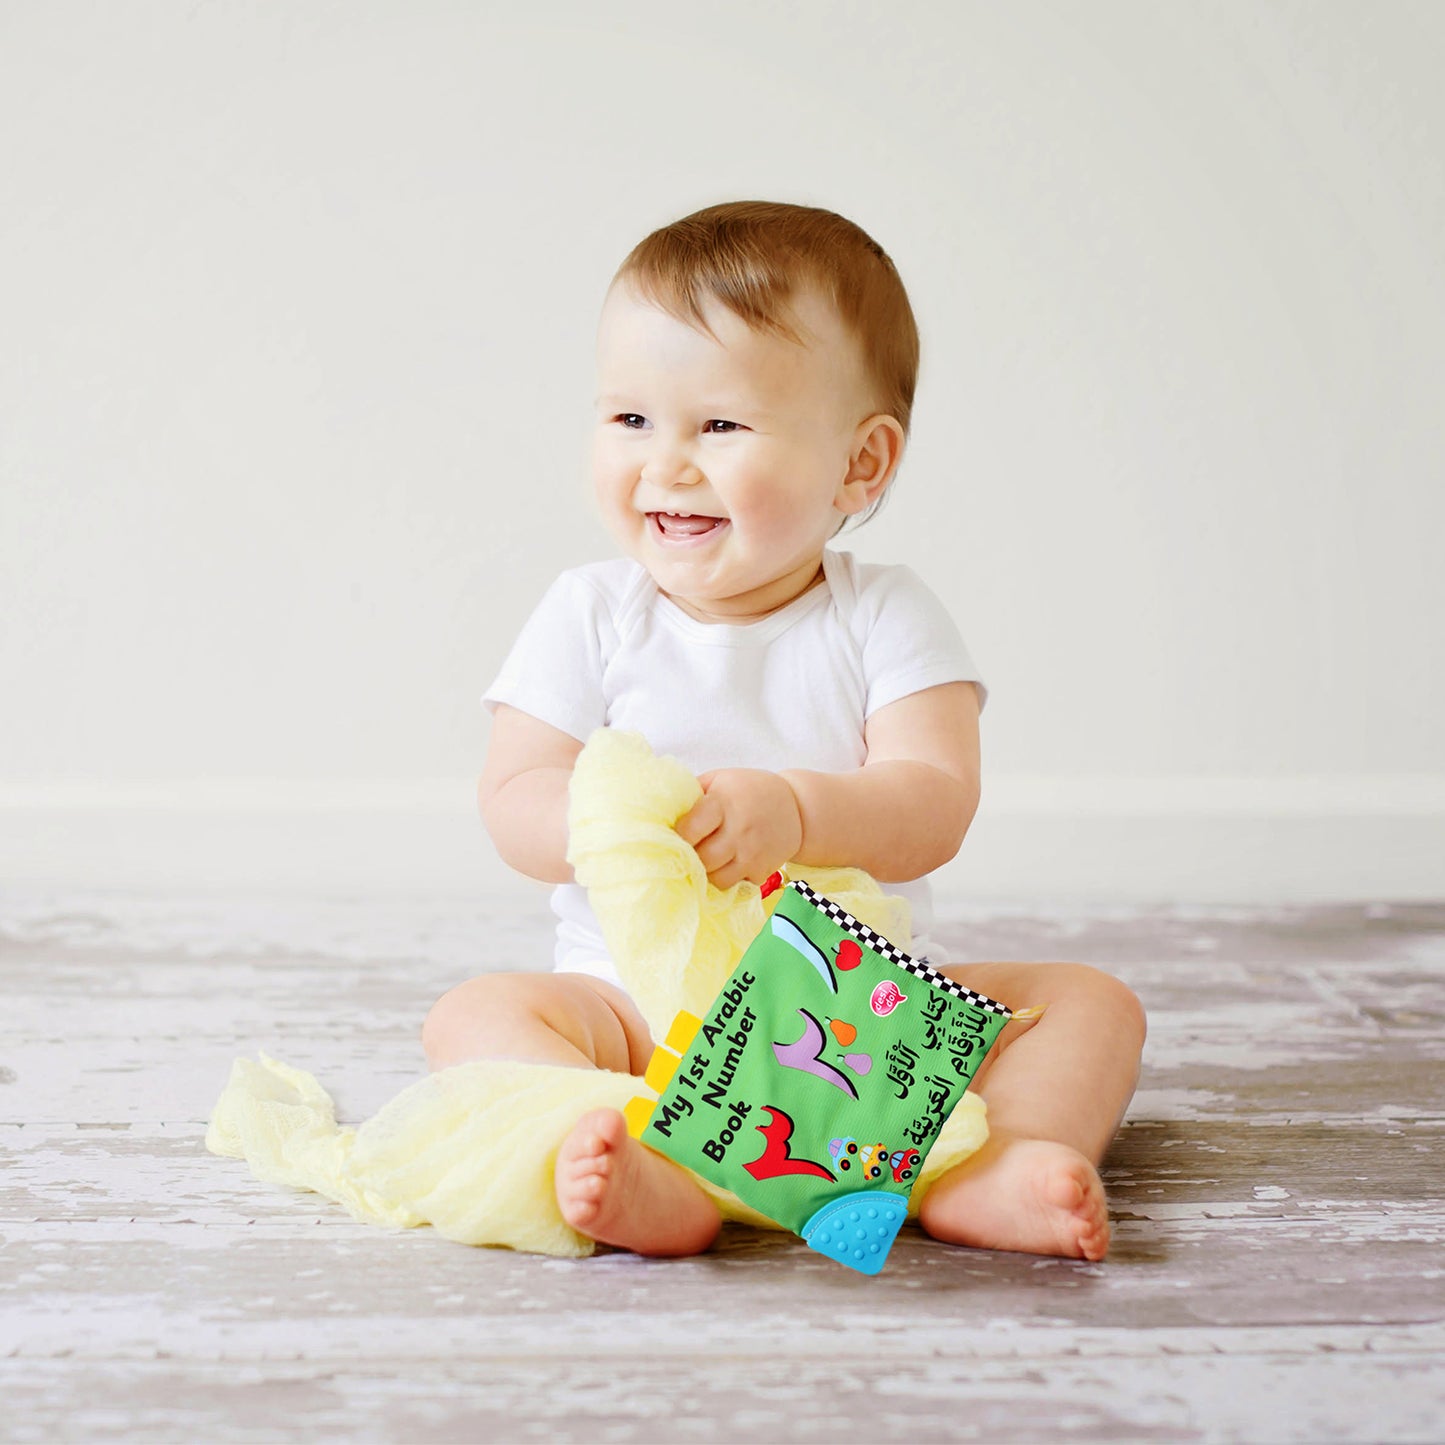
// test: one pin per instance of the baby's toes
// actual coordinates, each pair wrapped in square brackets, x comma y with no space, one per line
[586,1184]
[1096,1236]
[609,1129]
[1064,1187]
[1091,1221]
[592,1165]
[584,1163]
[588,1144]
[1074,1190]
[579,1193]
[1094,1242]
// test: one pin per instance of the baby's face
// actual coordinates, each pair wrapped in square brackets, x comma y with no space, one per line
[719,465]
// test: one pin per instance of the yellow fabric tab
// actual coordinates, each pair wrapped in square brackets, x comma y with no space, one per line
[660,1068]
[637,1112]
[683,1032]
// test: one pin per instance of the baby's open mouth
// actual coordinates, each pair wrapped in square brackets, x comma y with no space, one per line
[683,526]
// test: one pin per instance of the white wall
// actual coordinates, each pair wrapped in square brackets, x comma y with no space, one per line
[296,307]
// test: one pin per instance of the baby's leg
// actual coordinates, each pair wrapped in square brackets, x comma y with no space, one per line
[1056,1091]
[609,1187]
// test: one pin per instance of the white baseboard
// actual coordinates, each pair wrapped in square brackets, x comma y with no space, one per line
[1187,840]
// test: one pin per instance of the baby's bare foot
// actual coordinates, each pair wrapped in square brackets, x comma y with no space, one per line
[613,1189]
[1026,1194]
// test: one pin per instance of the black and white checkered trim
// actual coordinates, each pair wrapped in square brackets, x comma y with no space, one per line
[881,945]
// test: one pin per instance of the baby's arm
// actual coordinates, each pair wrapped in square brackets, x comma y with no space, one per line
[906,810]
[899,816]
[522,793]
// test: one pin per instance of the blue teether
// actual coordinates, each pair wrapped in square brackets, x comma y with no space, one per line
[857,1229]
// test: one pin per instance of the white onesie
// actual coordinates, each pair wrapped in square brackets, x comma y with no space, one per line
[605,648]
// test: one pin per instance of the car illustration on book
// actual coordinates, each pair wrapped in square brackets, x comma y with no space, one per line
[904,1161]
[850,1155]
[870,1158]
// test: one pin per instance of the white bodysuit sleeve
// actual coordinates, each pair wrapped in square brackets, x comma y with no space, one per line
[554,670]
[909,640]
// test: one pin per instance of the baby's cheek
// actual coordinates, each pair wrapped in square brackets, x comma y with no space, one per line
[771,501]
[606,466]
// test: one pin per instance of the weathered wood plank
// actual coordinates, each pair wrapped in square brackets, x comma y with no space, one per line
[175,1079]
[449,928]
[158,1035]
[1335,1385]
[179,1081]
[253,1294]
[281,1292]
[162,1171]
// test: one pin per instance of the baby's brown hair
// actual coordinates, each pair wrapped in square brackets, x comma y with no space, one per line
[752,255]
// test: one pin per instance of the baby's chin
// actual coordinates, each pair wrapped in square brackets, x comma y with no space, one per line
[720,604]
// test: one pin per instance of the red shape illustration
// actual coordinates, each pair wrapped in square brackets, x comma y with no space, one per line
[776,1158]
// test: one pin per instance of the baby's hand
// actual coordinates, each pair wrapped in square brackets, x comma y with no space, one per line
[745,825]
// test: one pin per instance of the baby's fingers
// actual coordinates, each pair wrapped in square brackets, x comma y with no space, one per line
[726,875]
[703,818]
[719,862]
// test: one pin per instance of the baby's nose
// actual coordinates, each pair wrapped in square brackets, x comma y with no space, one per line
[671,467]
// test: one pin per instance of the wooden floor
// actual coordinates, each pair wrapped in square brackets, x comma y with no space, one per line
[1278,1270]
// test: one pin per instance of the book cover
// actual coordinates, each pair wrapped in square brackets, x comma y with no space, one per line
[819,1079]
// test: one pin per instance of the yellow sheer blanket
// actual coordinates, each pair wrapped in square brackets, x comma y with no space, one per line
[470,1150]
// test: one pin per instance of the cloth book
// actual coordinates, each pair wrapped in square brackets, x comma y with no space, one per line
[819,1079]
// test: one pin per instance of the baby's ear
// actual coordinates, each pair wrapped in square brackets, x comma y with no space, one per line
[873,461]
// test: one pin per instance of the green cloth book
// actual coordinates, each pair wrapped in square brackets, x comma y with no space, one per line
[820,1078]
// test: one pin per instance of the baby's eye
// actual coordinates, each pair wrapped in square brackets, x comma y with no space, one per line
[631,420]
[717,424]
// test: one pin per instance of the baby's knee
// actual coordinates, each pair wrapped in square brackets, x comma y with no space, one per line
[1111,996]
[462,1022]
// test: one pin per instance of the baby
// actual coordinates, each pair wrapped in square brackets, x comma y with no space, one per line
[756,366]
